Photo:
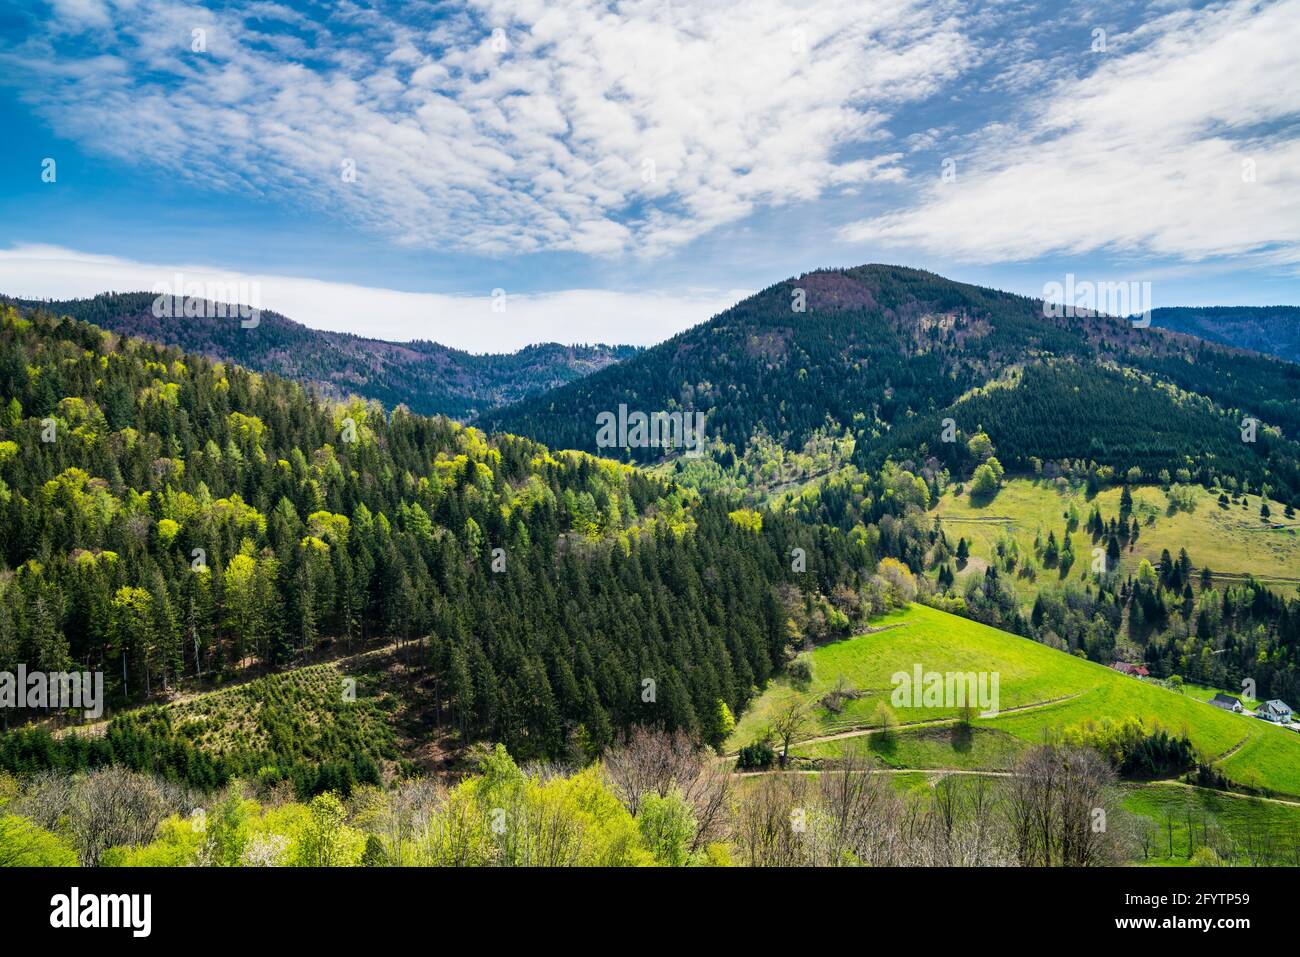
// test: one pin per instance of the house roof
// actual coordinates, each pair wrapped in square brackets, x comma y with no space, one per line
[1276,705]
[1222,698]
[1130,669]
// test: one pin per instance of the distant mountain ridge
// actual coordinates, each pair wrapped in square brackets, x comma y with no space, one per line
[1273,330]
[425,376]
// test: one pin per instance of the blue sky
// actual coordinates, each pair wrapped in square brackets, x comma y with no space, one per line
[623,171]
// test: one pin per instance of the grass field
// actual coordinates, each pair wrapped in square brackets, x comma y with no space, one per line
[1231,542]
[938,748]
[1205,693]
[1051,689]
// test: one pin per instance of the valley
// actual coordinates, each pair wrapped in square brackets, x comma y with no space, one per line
[310,607]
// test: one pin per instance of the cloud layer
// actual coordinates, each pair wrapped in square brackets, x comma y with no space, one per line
[609,131]
[1184,143]
[501,127]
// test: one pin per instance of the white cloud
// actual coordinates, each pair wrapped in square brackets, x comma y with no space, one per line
[80,14]
[738,104]
[465,322]
[1145,155]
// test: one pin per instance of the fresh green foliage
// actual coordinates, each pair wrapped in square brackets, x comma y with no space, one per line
[190,520]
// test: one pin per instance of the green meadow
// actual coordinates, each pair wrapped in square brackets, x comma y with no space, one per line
[1231,542]
[1040,690]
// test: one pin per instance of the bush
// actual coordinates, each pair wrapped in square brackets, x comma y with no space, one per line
[24,844]
[1206,857]
[667,826]
[756,756]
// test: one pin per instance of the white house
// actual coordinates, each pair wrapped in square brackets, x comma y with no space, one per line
[1275,711]
[1227,702]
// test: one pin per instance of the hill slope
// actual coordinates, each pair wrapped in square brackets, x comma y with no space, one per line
[1232,540]
[1274,330]
[1064,410]
[878,346]
[166,519]
[424,376]
[1040,689]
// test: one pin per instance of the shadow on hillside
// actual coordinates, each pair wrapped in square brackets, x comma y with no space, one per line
[961,737]
[884,744]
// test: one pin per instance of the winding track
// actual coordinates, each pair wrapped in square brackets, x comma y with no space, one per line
[931,723]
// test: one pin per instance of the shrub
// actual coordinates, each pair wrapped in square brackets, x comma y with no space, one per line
[756,756]
[667,826]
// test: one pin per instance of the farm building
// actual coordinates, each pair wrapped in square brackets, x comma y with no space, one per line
[1137,671]
[1275,711]
[1227,702]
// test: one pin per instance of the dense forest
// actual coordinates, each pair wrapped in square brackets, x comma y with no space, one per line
[880,350]
[1274,330]
[163,516]
[1055,415]
[424,376]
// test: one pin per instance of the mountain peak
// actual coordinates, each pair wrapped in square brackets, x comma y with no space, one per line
[865,351]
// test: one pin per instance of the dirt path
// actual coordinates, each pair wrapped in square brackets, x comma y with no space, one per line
[1232,750]
[809,644]
[1246,576]
[932,723]
[938,772]
[788,484]
[1231,794]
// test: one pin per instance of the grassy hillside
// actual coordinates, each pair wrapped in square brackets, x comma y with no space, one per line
[1242,830]
[1231,542]
[1040,690]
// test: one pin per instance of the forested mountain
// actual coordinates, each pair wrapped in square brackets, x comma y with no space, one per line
[884,349]
[165,517]
[1064,413]
[424,376]
[1274,330]
[174,520]
[181,523]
